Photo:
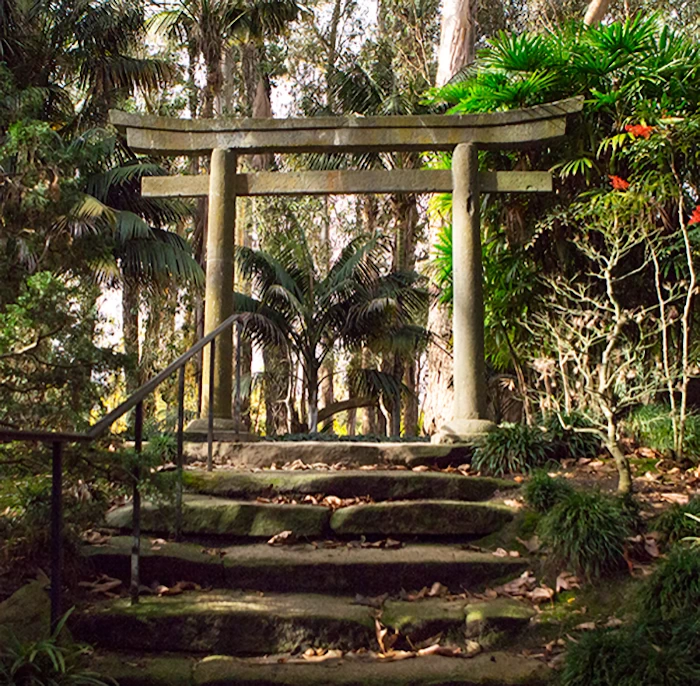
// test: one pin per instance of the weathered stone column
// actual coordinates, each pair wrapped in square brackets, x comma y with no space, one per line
[469,414]
[218,303]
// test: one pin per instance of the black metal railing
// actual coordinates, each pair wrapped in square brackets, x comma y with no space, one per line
[57,440]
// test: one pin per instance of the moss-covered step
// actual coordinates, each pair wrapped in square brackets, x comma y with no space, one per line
[378,485]
[208,516]
[421,518]
[502,615]
[227,622]
[304,567]
[493,669]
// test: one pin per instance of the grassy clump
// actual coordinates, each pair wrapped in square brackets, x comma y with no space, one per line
[47,662]
[586,533]
[542,492]
[662,647]
[642,655]
[512,448]
[672,592]
[675,525]
[652,426]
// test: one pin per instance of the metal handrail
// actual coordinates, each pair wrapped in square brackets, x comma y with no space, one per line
[135,401]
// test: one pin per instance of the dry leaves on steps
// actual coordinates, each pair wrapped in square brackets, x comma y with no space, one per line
[103,584]
[93,537]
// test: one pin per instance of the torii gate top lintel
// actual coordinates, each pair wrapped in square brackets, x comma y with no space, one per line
[172,136]
[225,139]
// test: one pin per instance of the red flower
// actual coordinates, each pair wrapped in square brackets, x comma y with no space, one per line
[695,216]
[618,183]
[636,130]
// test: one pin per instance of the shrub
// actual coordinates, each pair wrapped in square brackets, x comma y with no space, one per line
[512,448]
[652,426]
[572,443]
[586,533]
[675,525]
[672,592]
[635,656]
[542,492]
[45,663]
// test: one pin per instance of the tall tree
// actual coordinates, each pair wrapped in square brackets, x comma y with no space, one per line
[457,46]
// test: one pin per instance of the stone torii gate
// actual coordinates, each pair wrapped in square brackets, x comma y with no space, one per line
[463,135]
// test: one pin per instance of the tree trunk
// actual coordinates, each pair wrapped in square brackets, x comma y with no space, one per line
[130,331]
[457,38]
[597,9]
[312,390]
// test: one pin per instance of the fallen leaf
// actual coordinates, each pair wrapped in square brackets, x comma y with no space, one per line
[93,537]
[421,468]
[586,626]
[532,545]
[541,594]
[500,552]
[103,584]
[437,589]
[283,538]
[566,581]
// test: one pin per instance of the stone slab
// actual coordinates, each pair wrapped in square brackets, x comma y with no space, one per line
[125,120]
[421,518]
[500,615]
[494,669]
[208,516]
[342,182]
[422,619]
[378,485]
[263,454]
[227,622]
[305,568]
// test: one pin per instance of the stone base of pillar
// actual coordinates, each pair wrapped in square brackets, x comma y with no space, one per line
[224,430]
[463,431]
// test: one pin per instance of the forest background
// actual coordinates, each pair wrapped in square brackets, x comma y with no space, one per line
[589,293]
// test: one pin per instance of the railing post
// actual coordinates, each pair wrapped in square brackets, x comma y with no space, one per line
[136,508]
[210,409]
[56,531]
[179,462]
[237,409]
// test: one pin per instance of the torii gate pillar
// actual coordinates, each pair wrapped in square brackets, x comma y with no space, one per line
[469,408]
[218,304]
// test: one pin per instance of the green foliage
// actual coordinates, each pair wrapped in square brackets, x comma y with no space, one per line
[652,427]
[511,448]
[574,444]
[47,662]
[542,492]
[667,654]
[675,524]
[49,364]
[308,310]
[672,592]
[586,533]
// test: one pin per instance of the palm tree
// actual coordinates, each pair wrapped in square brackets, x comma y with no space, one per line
[354,304]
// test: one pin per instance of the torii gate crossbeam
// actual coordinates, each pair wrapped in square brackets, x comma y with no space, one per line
[224,139]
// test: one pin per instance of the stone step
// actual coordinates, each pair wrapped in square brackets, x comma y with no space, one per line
[378,485]
[210,516]
[348,453]
[493,669]
[305,567]
[255,623]
[227,623]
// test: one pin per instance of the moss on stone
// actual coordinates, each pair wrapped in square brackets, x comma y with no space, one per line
[228,622]
[500,615]
[204,515]
[424,618]
[431,518]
